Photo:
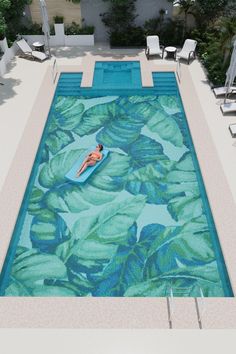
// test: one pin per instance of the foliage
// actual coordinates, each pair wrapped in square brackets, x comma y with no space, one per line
[214,32]
[230,9]
[133,37]
[120,19]
[215,54]
[4,5]
[58,19]
[169,31]
[227,29]
[3,27]
[75,28]
[207,11]
[13,17]
[186,8]
[31,29]
[121,15]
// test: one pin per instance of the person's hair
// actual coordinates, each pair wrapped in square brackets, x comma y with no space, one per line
[100,147]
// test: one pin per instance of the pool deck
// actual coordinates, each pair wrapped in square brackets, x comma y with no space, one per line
[25,101]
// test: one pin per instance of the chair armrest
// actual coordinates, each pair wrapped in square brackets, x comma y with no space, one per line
[26,52]
[162,47]
[147,51]
[192,52]
[189,55]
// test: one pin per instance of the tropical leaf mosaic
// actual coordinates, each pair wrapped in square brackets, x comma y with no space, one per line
[136,227]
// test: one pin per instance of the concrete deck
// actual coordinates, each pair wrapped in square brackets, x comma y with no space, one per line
[25,101]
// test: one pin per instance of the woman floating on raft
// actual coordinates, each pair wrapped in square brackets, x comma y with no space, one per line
[91,159]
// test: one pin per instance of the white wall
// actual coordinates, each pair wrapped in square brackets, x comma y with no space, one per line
[60,39]
[146,9]
[69,10]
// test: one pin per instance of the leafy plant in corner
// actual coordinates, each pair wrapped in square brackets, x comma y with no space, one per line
[58,19]
[169,31]
[4,5]
[120,19]
[31,29]
[13,17]
[76,29]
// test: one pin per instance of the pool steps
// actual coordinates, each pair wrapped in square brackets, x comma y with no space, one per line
[108,79]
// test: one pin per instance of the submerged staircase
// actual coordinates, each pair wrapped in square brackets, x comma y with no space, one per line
[69,84]
[164,83]
[114,75]
[115,78]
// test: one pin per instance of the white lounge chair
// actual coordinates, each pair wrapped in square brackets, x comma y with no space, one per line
[232,129]
[153,46]
[229,107]
[28,52]
[220,91]
[188,51]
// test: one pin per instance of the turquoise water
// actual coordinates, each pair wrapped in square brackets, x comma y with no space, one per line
[141,225]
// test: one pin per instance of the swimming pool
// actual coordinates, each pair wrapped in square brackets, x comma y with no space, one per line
[141,225]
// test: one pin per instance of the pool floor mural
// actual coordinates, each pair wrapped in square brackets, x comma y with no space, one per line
[137,227]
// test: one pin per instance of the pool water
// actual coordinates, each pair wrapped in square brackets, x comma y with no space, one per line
[120,75]
[141,225]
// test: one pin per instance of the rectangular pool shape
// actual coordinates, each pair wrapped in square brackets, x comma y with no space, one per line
[140,225]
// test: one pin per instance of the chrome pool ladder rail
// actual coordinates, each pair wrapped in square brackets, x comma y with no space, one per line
[199,305]
[170,308]
[200,310]
[54,70]
[178,70]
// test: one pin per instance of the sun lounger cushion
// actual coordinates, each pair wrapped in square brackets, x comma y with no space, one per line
[39,55]
[219,91]
[71,175]
[228,107]
[232,129]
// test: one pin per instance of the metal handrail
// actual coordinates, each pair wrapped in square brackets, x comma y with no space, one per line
[198,310]
[170,310]
[54,70]
[178,70]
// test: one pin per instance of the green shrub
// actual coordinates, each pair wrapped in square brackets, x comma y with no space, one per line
[169,31]
[58,19]
[133,37]
[211,55]
[76,29]
[13,17]
[31,29]
[120,21]
[3,27]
